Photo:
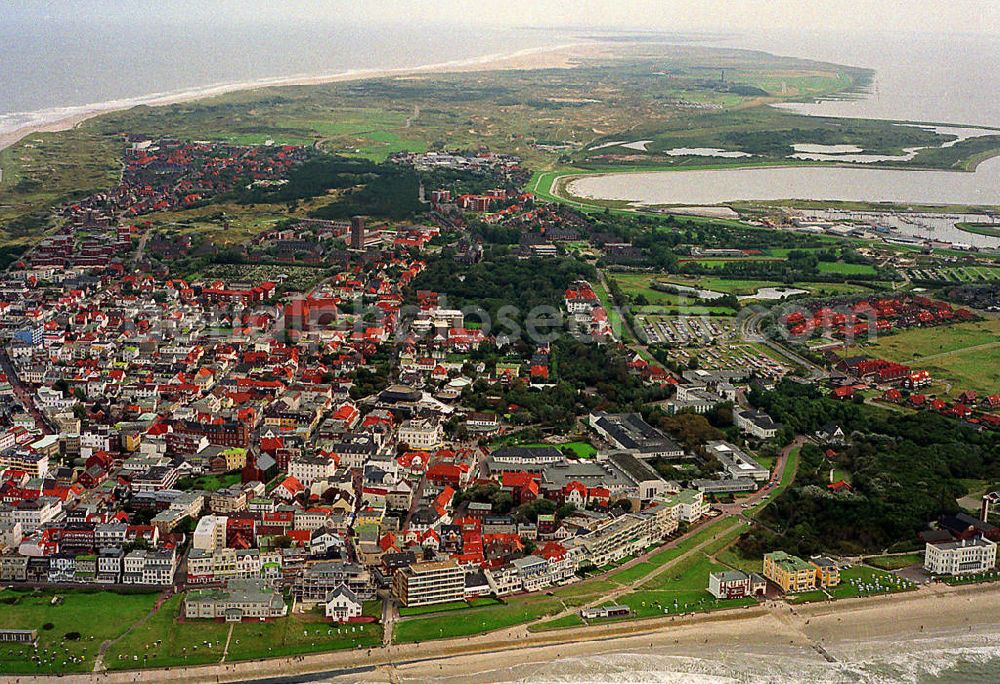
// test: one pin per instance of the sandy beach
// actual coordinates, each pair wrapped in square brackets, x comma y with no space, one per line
[814,633]
[558,56]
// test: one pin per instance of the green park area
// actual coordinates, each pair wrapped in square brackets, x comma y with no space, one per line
[578,449]
[297,635]
[167,640]
[209,483]
[987,229]
[163,641]
[644,294]
[71,627]
[516,611]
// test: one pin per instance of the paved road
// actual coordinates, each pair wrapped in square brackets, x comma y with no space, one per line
[24,394]
[389,616]
[779,469]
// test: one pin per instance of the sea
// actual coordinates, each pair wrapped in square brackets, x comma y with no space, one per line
[58,64]
[54,66]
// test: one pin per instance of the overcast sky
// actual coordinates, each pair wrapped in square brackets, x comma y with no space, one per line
[940,16]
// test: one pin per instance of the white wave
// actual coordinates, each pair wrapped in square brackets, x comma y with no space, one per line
[968,658]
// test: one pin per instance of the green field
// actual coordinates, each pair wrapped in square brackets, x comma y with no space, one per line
[656,301]
[565,622]
[97,616]
[895,562]
[845,268]
[856,581]
[165,641]
[516,611]
[973,579]
[967,354]
[162,641]
[299,634]
[209,483]
[579,449]
[733,559]
[888,583]
[446,607]
[988,229]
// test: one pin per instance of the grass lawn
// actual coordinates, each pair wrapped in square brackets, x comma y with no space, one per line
[807,597]
[989,229]
[973,579]
[614,316]
[372,608]
[895,562]
[579,449]
[860,580]
[589,588]
[956,352]
[733,559]
[516,611]
[856,581]
[564,622]
[297,634]
[162,641]
[96,615]
[681,589]
[845,268]
[634,285]
[210,483]
[447,607]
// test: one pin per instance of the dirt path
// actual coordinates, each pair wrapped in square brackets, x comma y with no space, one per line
[229,637]
[108,643]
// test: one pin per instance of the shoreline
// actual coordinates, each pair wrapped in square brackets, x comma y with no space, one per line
[561,56]
[813,631]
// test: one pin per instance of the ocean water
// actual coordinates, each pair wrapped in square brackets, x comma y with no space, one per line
[59,64]
[957,658]
[918,76]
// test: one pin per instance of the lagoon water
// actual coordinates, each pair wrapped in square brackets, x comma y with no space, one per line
[919,77]
[798,182]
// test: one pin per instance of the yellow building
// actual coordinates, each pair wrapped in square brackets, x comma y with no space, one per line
[236,458]
[827,571]
[791,573]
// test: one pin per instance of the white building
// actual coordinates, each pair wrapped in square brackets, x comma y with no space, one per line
[33,513]
[963,557]
[421,434]
[756,423]
[33,463]
[736,462]
[342,604]
[308,469]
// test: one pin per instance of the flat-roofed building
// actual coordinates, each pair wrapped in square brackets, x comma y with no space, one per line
[319,578]
[789,572]
[423,584]
[736,462]
[962,557]
[240,600]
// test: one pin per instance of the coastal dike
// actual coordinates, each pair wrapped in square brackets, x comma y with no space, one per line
[813,629]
